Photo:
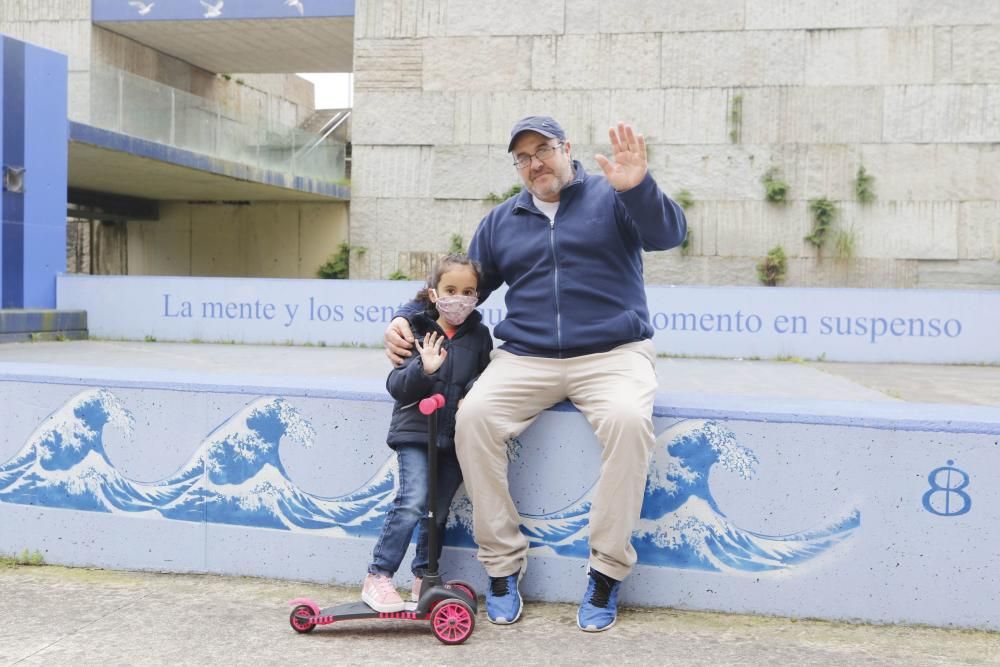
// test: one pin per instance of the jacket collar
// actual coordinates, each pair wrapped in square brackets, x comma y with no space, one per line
[524,202]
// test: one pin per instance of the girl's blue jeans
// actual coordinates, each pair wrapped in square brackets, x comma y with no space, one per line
[409,509]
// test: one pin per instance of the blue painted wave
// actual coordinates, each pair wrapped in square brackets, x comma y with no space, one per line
[236,477]
[681,524]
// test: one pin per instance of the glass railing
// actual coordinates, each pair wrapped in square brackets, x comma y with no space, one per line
[139,107]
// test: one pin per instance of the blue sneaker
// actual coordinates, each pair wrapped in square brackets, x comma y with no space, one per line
[599,608]
[503,599]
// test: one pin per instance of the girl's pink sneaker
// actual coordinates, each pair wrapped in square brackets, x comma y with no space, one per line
[379,594]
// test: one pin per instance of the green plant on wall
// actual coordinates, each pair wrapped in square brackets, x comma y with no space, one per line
[339,263]
[686,243]
[685,199]
[775,187]
[824,211]
[772,269]
[736,119]
[495,198]
[864,186]
[844,243]
[398,275]
[457,243]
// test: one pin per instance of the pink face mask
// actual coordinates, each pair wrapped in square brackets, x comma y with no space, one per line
[454,309]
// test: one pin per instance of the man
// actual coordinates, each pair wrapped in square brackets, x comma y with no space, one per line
[569,247]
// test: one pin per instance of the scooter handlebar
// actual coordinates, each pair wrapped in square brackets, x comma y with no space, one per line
[431,404]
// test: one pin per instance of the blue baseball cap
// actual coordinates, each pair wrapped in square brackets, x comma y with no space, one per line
[543,125]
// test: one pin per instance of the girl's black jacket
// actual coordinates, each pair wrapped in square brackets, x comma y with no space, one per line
[468,354]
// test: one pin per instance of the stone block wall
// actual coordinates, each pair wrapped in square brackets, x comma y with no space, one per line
[909,89]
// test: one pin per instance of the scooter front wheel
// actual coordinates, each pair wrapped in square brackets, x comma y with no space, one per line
[299,619]
[452,621]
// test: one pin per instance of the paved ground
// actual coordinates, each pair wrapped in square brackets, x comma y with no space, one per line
[63,616]
[969,385]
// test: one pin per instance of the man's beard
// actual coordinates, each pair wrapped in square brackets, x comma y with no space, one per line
[552,187]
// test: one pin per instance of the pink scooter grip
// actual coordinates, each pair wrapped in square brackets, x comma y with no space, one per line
[431,404]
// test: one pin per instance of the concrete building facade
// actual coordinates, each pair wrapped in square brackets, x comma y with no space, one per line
[724,92]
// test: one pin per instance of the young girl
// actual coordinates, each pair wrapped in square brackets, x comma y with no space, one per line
[454,347]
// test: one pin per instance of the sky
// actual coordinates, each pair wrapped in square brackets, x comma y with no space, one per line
[333,91]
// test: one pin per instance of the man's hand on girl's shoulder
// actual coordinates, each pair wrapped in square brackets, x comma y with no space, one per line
[398,340]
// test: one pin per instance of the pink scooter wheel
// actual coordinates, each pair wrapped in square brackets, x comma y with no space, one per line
[299,619]
[452,621]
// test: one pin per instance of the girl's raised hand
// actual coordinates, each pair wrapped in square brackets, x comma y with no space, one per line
[432,352]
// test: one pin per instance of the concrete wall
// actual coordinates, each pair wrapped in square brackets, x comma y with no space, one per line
[65,26]
[821,509]
[871,325]
[267,239]
[284,99]
[909,89]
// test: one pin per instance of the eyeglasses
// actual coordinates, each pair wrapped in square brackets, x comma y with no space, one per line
[543,153]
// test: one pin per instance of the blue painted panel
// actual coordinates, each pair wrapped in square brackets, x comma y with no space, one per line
[207,10]
[34,138]
[3,97]
[46,135]
[12,230]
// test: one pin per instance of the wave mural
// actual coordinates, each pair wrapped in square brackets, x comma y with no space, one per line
[235,476]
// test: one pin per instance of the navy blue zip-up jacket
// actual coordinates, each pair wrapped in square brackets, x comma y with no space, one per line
[575,286]
[468,354]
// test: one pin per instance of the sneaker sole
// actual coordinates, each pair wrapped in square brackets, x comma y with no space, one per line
[504,621]
[594,628]
[383,608]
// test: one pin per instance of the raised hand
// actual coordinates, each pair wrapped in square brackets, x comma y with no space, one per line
[628,150]
[432,352]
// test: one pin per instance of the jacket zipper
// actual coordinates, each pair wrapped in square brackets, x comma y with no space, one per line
[555,279]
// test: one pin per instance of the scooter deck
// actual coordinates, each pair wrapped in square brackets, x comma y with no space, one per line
[359,610]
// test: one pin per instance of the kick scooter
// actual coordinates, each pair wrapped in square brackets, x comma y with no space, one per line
[449,606]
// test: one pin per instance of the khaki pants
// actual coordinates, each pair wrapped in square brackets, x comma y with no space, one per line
[614,390]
